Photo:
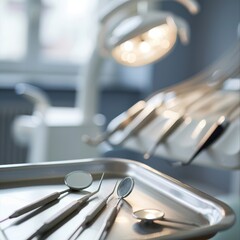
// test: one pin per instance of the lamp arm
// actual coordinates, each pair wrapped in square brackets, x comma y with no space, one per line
[35,95]
[87,92]
[116,6]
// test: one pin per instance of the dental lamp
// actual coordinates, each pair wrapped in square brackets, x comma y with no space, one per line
[132,38]
[144,37]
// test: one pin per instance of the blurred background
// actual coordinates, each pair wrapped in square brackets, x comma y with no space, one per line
[48,44]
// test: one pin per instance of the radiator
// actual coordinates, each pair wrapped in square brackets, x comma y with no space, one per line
[10,152]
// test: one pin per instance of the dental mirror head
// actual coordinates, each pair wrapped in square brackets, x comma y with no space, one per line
[78,180]
[125,187]
[151,215]
[148,215]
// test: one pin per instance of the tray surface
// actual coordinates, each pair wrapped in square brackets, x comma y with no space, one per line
[25,183]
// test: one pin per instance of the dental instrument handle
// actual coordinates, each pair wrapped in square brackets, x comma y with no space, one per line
[117,124]
[100,138]
[89,218]
[168,128]
[210,137]
[60,216]
[57,218]
[39,203]
[111,216]
[142,119]
[100,205]
[126,117]
[93,213]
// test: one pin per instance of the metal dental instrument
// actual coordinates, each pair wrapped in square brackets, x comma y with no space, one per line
[65,212]
[168,128]
[76,180]
[125,187]
[214,132]
[151,109]
[150,215]
[117,124]
[172,124]
[90,218]
[153,104]
[148,112]
[134,127]
[143,118]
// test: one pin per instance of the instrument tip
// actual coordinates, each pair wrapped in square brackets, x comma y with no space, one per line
[86,139]
[177,164]
[4,219]
[146,156]
[92,141]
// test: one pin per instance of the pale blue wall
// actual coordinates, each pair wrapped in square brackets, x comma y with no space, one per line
[213,31]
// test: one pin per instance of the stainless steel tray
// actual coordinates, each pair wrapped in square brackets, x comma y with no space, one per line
[21,184]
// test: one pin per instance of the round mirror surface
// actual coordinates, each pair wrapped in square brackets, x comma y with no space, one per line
[149,214]
[78,180]
[125,187]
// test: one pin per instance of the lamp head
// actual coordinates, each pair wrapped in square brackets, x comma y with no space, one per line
[143,39]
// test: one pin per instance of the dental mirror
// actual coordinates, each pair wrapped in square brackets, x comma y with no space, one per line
[76,180]
[125,187]
[150,215]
